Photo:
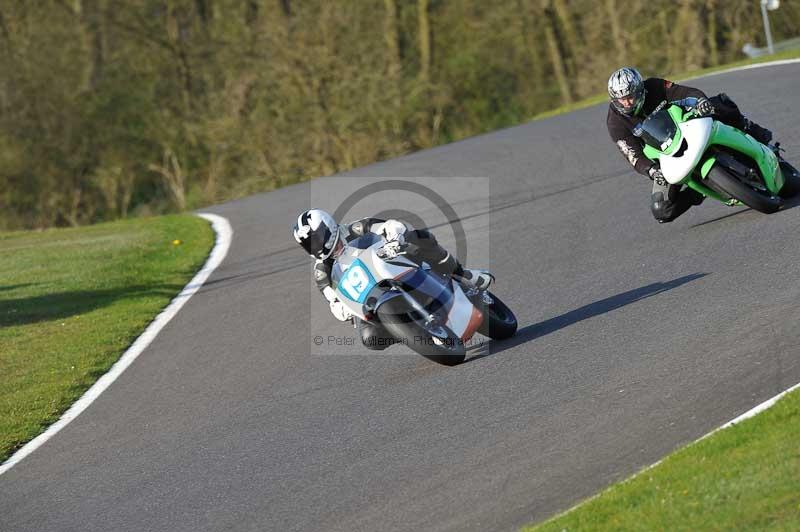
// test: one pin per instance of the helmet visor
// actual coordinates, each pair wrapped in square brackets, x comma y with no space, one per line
[316,242]
[630,103]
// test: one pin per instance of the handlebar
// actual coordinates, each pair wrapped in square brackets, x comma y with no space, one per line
[382,253]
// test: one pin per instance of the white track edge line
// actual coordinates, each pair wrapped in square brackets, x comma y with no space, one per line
[224,232]
[778,62]
[750,413]
[755,410]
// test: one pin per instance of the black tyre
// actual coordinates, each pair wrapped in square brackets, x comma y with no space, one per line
[759,199]
[499,321]
[791,186]
[435,342]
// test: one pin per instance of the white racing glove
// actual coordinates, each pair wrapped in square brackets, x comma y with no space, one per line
[657,175]
[391,249]
[394,231]
[703,107]
[340,311]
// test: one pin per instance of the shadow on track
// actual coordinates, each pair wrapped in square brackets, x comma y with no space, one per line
[278,261]
[788,204]
[46,307]
[537,330]
[10,287]
[719,218]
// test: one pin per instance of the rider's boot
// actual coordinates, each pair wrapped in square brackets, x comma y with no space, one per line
[447,264]
[761,134]
[480,279]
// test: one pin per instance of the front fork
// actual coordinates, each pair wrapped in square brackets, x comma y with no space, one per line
[427,317]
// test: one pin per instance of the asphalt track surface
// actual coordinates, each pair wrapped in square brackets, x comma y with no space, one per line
[635,338]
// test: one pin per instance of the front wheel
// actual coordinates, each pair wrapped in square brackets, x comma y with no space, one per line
[499,321]
[435,342]
[755,198]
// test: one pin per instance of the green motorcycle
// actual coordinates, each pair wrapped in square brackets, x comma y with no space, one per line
[715,159]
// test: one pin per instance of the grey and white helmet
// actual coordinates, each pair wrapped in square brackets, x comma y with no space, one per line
[318,233]
[626,89]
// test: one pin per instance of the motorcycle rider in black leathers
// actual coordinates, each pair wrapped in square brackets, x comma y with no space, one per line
[324,239]
[632,99]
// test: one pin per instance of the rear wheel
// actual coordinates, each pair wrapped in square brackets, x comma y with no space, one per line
[751,194]
[433,341]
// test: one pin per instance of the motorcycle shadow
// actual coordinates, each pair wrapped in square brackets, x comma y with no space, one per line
[788,204]
[726,216]
[609,304]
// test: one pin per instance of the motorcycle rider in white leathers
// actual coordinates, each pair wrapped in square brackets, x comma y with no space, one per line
[324,239]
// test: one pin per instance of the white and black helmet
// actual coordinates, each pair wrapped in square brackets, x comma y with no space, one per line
[626,89]
[317,232]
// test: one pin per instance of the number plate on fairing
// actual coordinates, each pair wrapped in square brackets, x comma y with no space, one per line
[356,282]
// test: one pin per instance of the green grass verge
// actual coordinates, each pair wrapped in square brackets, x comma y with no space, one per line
[600,98]
[72,301]
[746,477]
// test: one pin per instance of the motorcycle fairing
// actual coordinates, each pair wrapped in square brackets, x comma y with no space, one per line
[464,318]
[691,143]
[363,281]
[765,158]
[356,282]
[696,134]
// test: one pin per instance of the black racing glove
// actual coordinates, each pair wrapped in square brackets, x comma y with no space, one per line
[657,175]
[703,107]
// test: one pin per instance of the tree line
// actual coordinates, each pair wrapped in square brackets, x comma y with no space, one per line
[114,108]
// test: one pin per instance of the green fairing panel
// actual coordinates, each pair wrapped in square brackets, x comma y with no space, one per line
[651,153]
[705,168]
[731,137]
[725,135]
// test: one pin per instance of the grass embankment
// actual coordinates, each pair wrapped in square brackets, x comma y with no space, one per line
[600,98]
[746,477]
[72,301]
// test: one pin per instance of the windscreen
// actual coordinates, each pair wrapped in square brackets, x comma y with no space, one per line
[365,241]
[657,130]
